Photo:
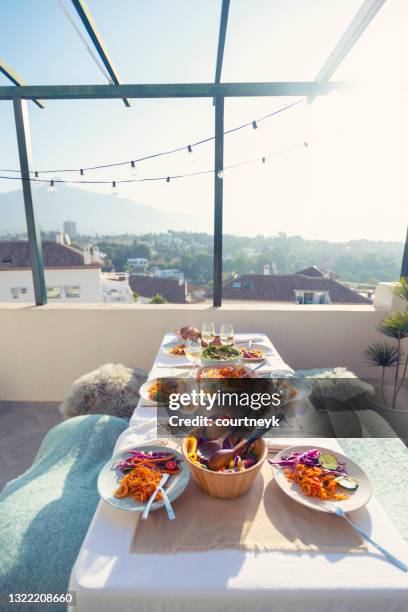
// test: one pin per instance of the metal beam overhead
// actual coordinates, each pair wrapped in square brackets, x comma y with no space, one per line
[170,90]
[353,32]
[218,200]
[221,39]
[16,79]
[404,266]
[33,230]
[88,21]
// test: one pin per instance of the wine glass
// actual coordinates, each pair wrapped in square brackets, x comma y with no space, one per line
[227,334]
[193,352]
[208,333]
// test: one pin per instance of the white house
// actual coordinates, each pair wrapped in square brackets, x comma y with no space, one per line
[70,276]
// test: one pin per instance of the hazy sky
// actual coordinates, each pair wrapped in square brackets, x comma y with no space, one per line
[349,183]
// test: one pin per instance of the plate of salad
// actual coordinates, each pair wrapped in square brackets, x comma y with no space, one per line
[311,475]
[213,355]
[255,352]
[128,479]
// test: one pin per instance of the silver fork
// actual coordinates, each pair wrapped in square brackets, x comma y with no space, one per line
[332,507]
[162,482]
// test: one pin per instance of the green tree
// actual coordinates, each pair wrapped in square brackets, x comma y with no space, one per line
[158,299]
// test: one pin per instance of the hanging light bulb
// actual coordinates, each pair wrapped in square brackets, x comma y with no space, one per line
[81,172]
[191,153]
[263,160]
[168,179]
[133,169]
[36,179]
[306,144]
[115,190]
[51,186]
[254,125]
[220,174]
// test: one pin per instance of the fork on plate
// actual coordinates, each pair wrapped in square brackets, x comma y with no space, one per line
[167,504]
[333,507]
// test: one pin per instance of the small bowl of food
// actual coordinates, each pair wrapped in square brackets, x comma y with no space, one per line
[214,355]
[231,481]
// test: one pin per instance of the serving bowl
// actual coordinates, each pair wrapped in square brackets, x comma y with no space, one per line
[231,360]
[226,485]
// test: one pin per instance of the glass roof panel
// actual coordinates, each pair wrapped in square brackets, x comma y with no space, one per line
[161,41]
[283,40]
[381,53]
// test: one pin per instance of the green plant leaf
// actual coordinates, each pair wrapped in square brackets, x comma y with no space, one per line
[401,289]
[395,326]
[382,354]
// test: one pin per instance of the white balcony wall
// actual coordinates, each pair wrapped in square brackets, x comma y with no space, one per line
[44,349]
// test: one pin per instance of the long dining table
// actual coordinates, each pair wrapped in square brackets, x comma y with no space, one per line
[108,575]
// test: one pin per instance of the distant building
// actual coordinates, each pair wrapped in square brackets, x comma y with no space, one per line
[147,287]
[291,288]
[70,228]
[139,264]
[169,273]
[116,288]
[70,275]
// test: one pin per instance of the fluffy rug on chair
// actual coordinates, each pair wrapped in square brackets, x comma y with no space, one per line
[111,389]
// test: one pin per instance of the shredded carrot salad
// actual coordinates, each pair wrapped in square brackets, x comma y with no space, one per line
[315,482]
[140,483]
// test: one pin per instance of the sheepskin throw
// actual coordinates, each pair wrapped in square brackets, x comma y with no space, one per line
[111,389]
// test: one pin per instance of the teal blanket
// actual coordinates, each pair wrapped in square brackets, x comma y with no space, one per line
[45,513]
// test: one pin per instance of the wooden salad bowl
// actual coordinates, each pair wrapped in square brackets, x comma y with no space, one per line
[226,484]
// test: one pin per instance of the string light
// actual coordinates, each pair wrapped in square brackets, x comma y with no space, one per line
[81,172]
[191,153]
[115,190]
[133,169]
[52,187]
[219,173]
[192,146]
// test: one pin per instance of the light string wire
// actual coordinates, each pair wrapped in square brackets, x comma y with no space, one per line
[262,159]
[197,143]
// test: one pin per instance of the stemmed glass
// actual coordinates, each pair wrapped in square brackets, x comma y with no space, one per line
[208,333]
[193,352]
[227,334]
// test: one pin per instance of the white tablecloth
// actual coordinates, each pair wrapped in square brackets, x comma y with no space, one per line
[107,577]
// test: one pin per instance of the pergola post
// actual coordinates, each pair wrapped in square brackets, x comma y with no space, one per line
[33,230]
[218,199]
[404,267]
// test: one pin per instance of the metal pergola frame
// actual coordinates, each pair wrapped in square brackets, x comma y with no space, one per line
[21,93]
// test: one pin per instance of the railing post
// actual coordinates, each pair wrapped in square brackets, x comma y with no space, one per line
[218,200]
[33,230]
[404,266]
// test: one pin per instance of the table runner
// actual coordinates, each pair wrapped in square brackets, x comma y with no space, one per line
[263,519]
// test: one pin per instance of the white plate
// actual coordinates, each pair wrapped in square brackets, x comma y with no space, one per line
[169,345]
[357,499]
[256,347]
[144,392]
[110,477]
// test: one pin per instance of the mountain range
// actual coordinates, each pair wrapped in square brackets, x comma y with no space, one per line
[94,213]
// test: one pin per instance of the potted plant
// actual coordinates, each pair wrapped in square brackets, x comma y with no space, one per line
[392,399]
